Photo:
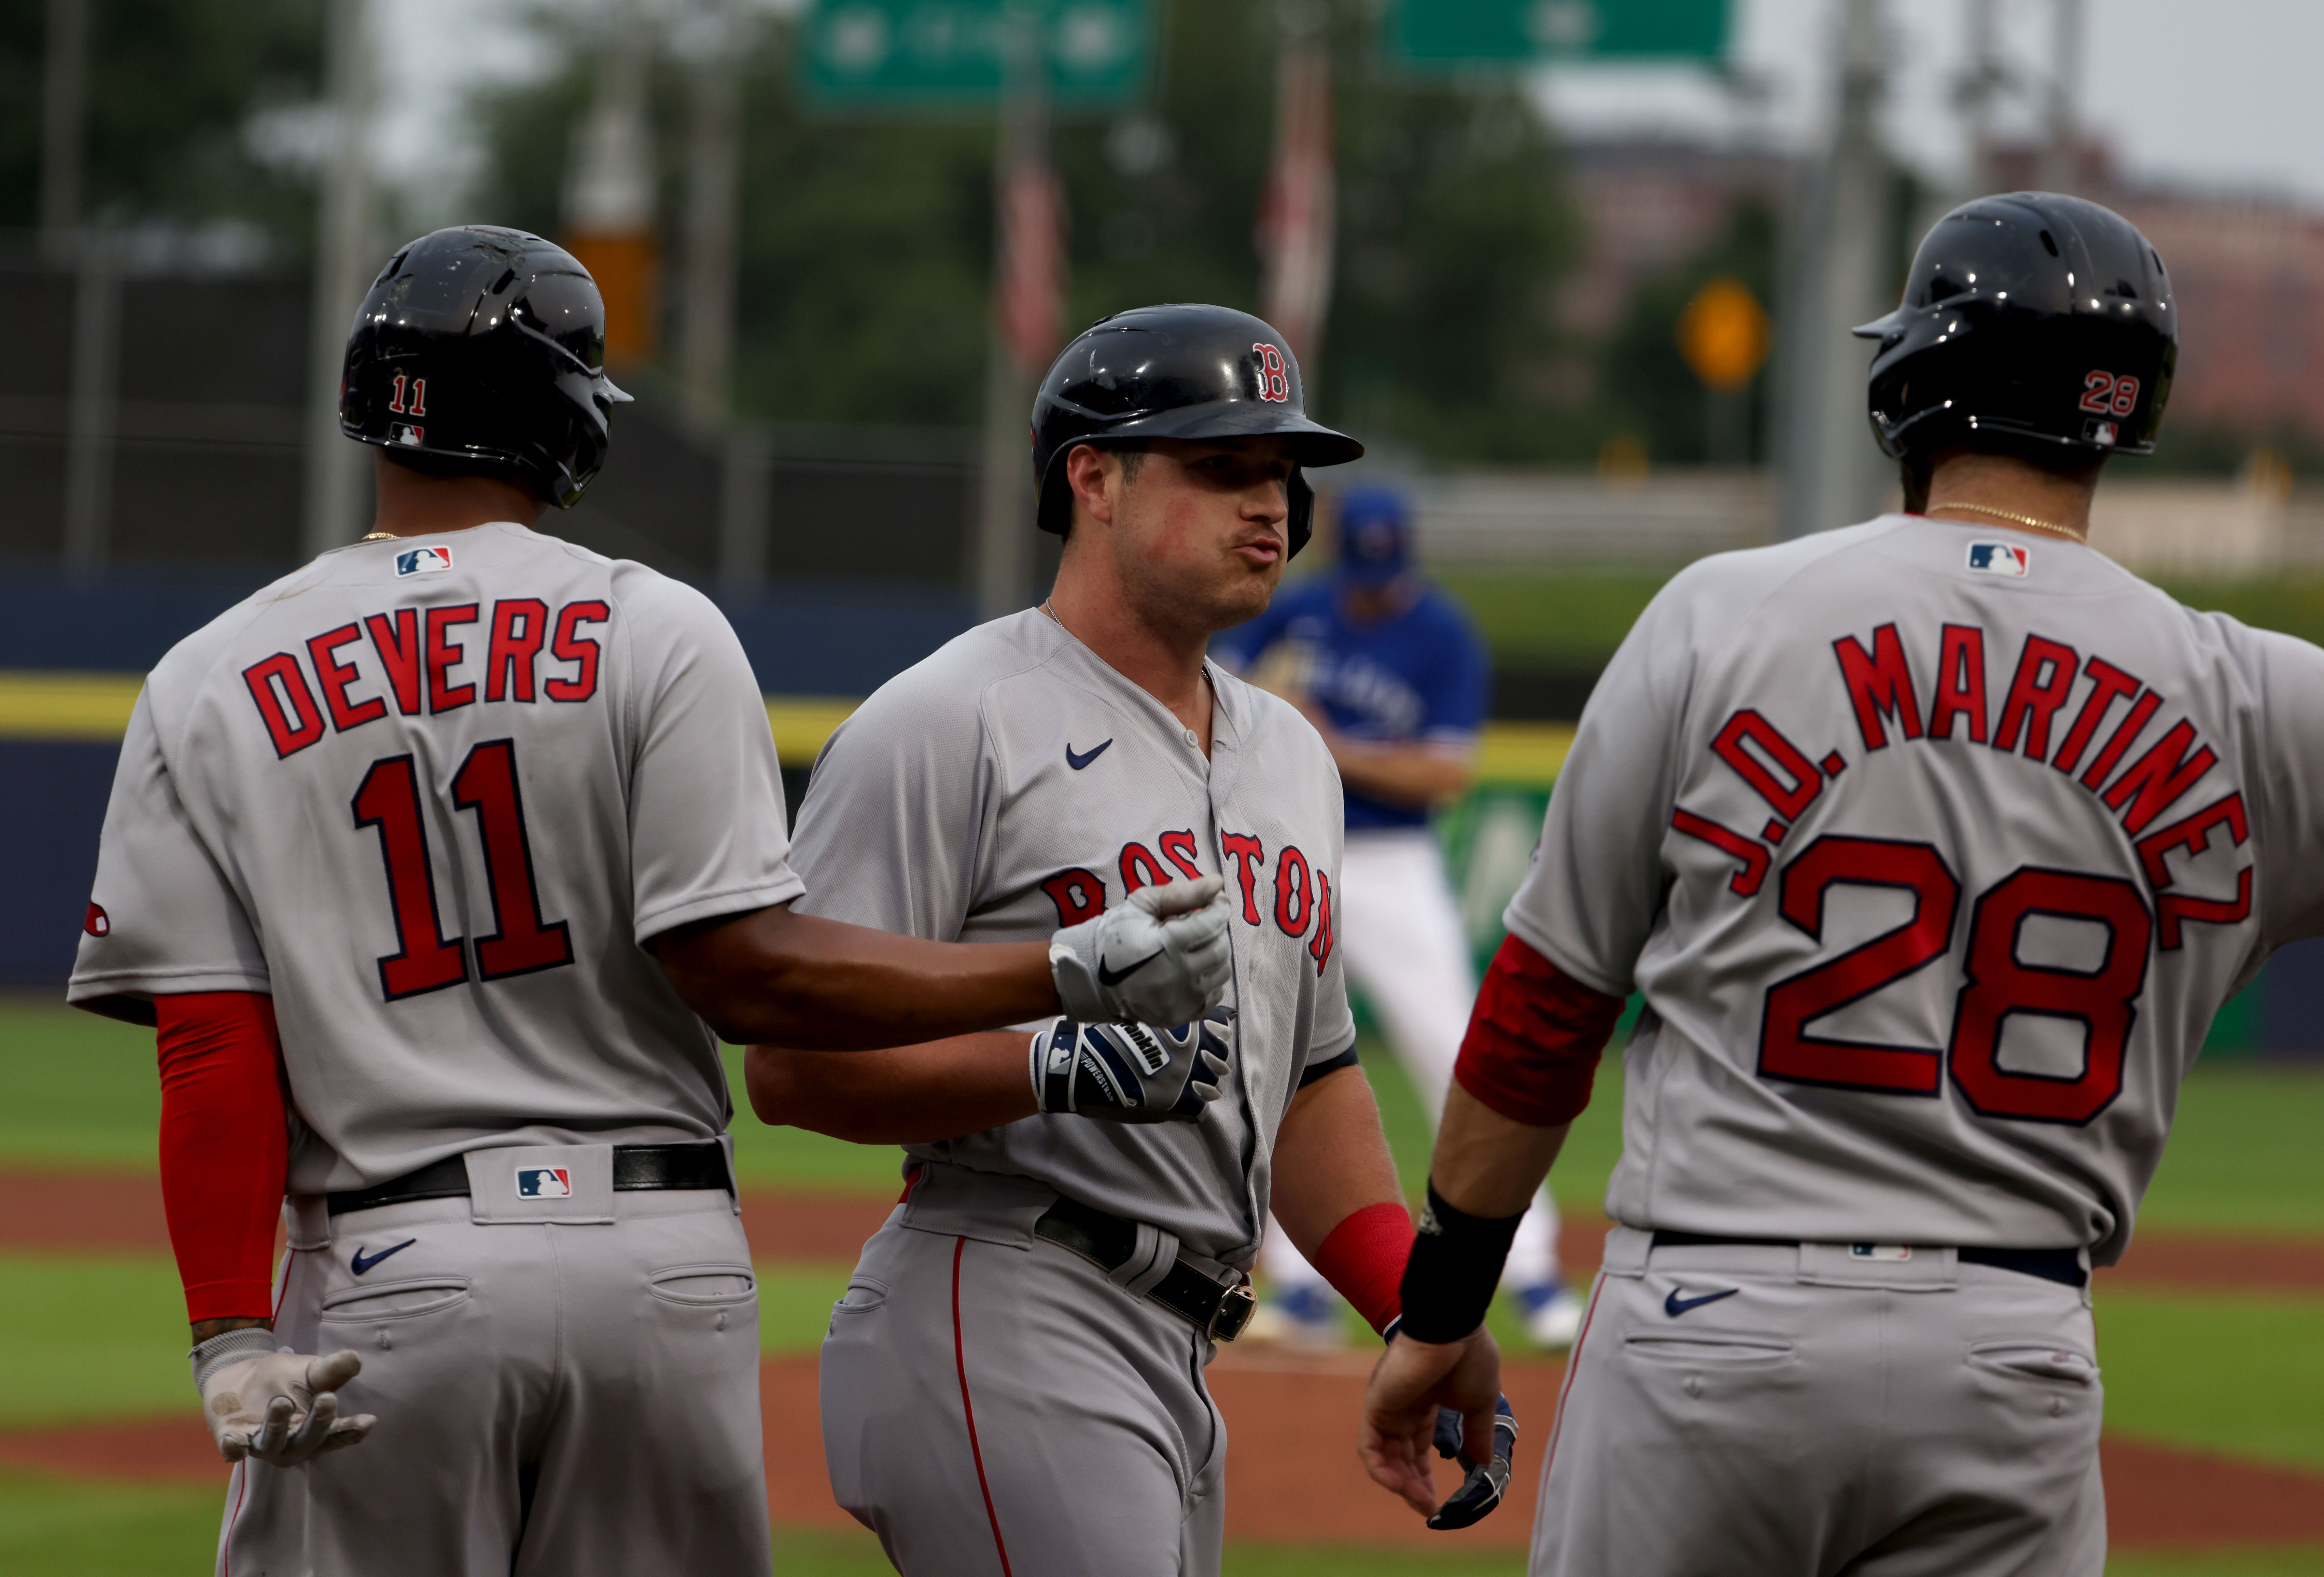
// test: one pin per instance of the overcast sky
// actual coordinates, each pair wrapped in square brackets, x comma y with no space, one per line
[2218,92]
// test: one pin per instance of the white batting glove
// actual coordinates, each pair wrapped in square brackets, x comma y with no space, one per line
[1132,1072]
[1160,958]
[282,1407]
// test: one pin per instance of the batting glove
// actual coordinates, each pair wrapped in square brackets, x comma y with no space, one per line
[1160,958]
[282,1407]
[1487,1481]
[1132,1072]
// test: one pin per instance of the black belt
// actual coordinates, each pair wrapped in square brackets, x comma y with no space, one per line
[636,1168]
[1108,1242]
[2063,1265]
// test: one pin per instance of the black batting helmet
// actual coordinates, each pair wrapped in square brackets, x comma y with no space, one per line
[2044,321]
[1177,371]
[483,349]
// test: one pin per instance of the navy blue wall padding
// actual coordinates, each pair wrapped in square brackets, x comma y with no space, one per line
[55,795]
[806,639]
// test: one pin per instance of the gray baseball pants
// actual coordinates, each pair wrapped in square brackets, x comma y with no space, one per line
[1804,1412]
[556,1399]
[994,1403]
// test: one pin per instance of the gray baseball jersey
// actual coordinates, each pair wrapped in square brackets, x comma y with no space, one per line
[432,794]
[1012,784]
[1932,849]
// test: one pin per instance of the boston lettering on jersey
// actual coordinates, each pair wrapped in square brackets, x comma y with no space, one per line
[1302,894]
[418,650]
[2036,723]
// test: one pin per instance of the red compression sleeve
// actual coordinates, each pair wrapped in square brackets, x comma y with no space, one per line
[1363,1260]
[226,1148]
[1534,1039]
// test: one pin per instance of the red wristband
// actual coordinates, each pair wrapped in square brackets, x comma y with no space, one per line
[225,1148]
[1363,1260]
[1531,1052]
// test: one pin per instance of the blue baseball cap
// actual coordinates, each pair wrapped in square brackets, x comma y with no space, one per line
[1375,536]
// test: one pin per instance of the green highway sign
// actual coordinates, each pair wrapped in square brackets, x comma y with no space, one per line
[1461,34]
[953,54]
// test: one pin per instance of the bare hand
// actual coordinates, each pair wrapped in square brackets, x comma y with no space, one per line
[1412,1380]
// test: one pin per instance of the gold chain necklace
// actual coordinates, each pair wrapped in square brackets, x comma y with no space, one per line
[2012,517]
[377,536]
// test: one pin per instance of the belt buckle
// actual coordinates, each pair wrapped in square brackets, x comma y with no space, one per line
[1237,1304]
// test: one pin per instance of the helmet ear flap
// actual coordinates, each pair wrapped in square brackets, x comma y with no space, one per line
[1301,525]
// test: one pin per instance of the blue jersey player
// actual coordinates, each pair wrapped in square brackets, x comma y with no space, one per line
[1388,669]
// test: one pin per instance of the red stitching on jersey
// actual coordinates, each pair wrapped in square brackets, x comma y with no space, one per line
[960,1361]
[1573,1367]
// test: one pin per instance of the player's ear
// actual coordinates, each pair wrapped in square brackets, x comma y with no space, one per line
[1094,476]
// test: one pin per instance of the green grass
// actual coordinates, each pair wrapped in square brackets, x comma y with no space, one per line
[2299,1561]
[1561,618]
[90,1336]
[59,1527]
[2244,1155]
[795,1306]
[2239,1374]
[76,1090]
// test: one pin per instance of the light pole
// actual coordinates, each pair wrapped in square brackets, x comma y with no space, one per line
[1831,467]
[346,259]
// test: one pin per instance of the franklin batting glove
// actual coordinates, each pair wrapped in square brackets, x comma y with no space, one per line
[1132,1072]
[282,1407]
[1160,958]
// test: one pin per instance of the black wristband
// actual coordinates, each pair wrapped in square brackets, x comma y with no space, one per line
[1455,1264]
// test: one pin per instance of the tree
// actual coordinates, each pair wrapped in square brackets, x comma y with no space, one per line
[866,247]
[1654,394]
[180,96]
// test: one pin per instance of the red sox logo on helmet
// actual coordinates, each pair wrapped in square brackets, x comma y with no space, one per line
[1274,382]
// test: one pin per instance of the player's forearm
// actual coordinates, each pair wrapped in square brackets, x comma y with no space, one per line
[1331,1159]
[895,1095]
[1485,1164]
[1401,774]
[776,977]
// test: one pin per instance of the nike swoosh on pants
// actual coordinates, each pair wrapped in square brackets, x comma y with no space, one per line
[362,1263]
[1675,1305]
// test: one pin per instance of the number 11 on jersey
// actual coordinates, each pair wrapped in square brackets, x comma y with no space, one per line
[424,958]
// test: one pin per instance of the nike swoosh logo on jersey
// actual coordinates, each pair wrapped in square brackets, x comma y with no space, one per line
[1106,976]
[362,1262]
[1675,1305]
[1085,758]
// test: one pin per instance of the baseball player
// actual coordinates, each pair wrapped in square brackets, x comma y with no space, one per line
[1932,844]
[428,863]
[1013,1383]
[1389,670]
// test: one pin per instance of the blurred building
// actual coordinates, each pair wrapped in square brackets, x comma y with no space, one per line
[1650,205]
[2248,269]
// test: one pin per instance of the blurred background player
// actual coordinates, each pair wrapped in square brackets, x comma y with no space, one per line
[1387,666]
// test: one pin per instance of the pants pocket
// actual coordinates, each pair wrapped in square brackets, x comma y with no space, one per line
[394,1300]
[1724,1348]
[704,1287]
[2029,1358]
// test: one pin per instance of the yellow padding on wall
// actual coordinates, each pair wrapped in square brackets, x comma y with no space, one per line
[65,706]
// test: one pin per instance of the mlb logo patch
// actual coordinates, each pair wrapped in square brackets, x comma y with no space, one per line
[405,435]
[543,1182]
[1999,559]
[423,561]
[1886,1253]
